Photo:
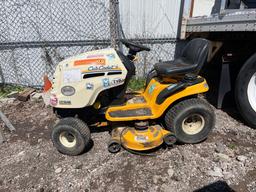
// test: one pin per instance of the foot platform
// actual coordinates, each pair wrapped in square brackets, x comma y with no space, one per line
[131,113]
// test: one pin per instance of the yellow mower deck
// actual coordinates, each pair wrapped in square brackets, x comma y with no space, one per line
[139,140]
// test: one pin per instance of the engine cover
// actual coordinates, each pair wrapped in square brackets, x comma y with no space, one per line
[79,80]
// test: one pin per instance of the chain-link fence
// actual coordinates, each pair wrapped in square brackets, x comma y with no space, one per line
[36,35]
[161,50]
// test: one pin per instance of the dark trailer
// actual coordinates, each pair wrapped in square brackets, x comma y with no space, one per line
[231,71]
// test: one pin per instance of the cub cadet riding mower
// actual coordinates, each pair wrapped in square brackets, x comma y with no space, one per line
[90,89]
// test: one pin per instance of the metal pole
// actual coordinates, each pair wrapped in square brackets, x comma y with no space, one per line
[223,6]
[182,2]
[2,78]
[119,26]
[113,23]
[191,8]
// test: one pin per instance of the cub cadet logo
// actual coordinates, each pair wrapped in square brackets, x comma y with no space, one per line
[102,68]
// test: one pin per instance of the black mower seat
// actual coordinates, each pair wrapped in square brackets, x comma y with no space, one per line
[191,60]
[178,66]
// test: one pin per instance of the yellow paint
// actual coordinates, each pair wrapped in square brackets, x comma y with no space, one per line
[150,97]
[140,140]
[130,139]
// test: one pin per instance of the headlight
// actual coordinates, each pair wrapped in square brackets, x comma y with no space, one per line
[68,90]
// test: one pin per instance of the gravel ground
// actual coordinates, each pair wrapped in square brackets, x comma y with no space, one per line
[226,161]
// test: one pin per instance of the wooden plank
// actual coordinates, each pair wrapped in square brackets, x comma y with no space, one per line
[7,122]
[24,95]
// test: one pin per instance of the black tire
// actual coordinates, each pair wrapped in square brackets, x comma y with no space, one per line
[241,96]
[170,139]
[77,130]
[178,114]
[114,146]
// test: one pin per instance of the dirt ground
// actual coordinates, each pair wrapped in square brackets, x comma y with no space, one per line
[226,161]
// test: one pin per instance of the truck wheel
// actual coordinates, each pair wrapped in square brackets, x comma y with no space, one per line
[71,136]
[245,91]
[190,120]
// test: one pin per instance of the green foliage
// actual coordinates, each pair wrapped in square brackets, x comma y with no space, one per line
[231,146]
[5,90]
[136,84]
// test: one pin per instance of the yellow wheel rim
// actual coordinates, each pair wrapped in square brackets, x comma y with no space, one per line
[67,139]
[193,124]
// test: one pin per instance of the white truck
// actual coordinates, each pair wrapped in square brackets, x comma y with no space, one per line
[231,71]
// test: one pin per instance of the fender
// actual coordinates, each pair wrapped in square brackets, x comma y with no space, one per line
[174,88]
[158,97]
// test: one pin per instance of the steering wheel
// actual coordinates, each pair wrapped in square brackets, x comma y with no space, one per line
[134,47]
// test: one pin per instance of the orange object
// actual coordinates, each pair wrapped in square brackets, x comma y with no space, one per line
[47,84]
[90,62]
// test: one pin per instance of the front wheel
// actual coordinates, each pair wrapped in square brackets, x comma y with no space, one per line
[71,136]
[190,120]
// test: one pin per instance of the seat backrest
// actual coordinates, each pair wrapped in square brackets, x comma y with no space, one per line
[196,53]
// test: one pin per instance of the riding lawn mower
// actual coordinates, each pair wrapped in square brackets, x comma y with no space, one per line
[91,90]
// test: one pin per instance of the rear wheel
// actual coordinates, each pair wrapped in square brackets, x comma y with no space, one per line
[71,136]
[245,91]
[190,120]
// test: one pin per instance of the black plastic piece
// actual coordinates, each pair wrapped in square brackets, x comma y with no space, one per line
[174,88]
[118,93]
[224,84]
[135,48]
[190,77]
[115,73]
[91,75]
[150,76]
[170,91]
[129,65]
[191,82]
[142,125]
[131,112]
[170,139]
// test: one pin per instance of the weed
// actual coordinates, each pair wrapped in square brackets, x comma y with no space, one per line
[231,146]
[4,91]
[136,84]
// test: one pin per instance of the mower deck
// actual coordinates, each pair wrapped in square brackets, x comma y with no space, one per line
[138,139]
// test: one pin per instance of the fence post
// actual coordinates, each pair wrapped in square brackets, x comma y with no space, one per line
[2,78]
[114,22]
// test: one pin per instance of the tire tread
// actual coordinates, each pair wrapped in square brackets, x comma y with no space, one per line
[80,126]
[176,109]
